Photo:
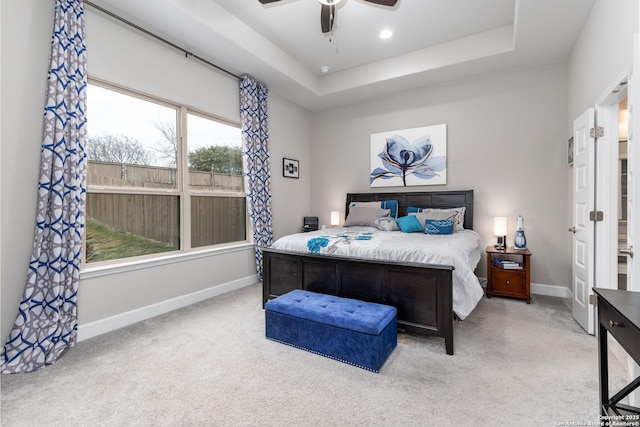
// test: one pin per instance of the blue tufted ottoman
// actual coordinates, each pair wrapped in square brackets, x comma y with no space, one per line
[359,333]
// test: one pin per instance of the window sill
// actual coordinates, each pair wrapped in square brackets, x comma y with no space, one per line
[121,267]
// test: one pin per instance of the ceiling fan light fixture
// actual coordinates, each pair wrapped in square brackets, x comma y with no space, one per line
[330,2]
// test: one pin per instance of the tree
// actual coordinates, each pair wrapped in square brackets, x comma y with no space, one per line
[117,149]
[167,148]
[217,159]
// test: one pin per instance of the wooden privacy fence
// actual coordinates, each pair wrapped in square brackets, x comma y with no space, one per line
[214,220]
[156,217]
[105,174]
[217,220]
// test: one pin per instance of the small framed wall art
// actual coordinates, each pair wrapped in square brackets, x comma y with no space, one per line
[290,168]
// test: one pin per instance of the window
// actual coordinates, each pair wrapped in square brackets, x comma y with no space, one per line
[143,196]
[218,204]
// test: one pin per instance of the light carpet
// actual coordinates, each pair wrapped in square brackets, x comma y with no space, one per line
[209,364]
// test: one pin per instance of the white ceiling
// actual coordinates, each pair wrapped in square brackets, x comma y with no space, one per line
[434,41]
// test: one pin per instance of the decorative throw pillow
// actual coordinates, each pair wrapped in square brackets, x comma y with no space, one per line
[458,221]
[424,216]
[364,216]
[386,224]
[392,205]
[409,224]
[438,226]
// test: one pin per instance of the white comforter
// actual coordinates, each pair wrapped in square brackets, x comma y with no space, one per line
[462,250]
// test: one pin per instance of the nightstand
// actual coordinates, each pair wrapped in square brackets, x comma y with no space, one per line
[509,273]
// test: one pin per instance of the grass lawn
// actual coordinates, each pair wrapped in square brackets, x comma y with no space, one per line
[105,243]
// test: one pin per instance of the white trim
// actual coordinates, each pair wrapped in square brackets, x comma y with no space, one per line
[550,290]
[607,194]
[118,321]
[107,269]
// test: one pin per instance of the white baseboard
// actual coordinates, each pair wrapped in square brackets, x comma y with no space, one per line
[550,290]
[118,321]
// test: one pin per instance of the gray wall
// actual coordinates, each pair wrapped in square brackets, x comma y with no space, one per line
[506,141]
[25,41]
[124,57]
[602,54]
[290,137]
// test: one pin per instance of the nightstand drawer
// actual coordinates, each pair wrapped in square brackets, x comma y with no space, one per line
[510,281]
[622,330]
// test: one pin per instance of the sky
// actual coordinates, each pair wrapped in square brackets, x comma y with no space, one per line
[110,112]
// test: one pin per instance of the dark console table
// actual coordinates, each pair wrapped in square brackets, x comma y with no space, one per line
[619,314]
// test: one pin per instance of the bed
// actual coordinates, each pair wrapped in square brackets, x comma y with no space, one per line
[427,294]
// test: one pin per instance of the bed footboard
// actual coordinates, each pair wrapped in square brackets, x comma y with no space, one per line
[422,293]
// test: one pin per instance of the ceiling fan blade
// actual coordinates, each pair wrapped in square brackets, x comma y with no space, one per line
[267,1]
[327,18]
[384,2]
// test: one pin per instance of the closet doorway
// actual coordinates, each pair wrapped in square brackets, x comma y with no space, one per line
[623,249]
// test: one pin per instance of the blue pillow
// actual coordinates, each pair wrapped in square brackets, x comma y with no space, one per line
[438,226]
[392,205]
[413,209]
[409,224]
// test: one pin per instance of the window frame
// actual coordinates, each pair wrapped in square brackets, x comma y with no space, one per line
[182,191]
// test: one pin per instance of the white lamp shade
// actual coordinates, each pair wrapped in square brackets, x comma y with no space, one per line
[500,226]
[335,218]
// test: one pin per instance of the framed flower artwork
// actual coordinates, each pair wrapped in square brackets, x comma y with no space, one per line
[409,157]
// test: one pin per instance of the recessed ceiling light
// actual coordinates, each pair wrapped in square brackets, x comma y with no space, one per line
[324,69]
[385,34]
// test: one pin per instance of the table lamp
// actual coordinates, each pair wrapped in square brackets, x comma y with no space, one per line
[335,218]
[500,231]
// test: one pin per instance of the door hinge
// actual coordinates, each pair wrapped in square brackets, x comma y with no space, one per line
[596,216]
[592,299]
[596,132]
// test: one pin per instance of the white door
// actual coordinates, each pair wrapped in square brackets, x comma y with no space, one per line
[582,227]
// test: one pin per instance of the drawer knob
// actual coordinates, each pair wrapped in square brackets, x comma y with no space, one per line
[613,324]
[508,282]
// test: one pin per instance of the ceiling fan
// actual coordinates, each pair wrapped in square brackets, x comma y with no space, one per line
[328,11]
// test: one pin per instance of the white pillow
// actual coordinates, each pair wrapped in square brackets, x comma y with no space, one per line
[386,224]
[455,214]
[359,215]
[424,216]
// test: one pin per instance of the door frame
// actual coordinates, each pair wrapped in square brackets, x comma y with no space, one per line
[604,257]
[607,113]
[607,170]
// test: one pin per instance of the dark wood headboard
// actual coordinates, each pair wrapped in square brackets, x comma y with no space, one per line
[430,199]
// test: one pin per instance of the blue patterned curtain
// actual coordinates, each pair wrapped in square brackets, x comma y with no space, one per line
[47,317]
[255,155]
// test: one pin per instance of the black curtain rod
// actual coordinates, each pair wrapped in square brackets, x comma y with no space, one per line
[165,41]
